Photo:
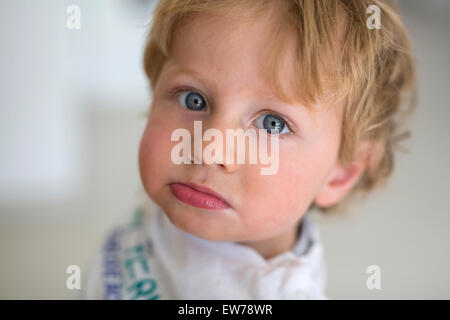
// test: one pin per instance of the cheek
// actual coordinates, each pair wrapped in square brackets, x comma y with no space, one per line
[296,180]
[276,201]
[154,155]
[280,199]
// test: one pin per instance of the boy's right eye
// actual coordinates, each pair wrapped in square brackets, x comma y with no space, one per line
[191,100]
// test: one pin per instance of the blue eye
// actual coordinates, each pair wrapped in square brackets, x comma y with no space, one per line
[191,100]
[271,122]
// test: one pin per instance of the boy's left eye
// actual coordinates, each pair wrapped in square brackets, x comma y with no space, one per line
[191,100]
[272,122]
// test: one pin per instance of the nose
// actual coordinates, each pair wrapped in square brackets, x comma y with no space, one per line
[213,142]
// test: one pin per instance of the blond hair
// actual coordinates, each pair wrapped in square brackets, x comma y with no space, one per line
[373,70]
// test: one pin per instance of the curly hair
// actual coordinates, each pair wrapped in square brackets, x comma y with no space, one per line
[372,71]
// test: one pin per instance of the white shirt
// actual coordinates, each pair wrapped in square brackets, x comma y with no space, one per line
[153,259]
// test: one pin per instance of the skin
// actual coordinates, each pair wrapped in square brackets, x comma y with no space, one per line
[266,210]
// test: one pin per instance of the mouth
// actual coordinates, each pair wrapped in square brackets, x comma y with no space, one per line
[198,196]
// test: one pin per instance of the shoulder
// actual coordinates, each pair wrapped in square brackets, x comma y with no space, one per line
[105,271]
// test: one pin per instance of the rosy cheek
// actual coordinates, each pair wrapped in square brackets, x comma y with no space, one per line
[294,181]
[149,143]
[144,149]
[148,150]
[145,154]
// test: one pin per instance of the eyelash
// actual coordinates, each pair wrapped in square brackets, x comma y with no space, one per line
[174,92]
[292,129]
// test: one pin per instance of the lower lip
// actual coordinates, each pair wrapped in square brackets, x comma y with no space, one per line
[196,198]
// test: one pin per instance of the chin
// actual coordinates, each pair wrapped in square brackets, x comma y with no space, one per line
[194,223]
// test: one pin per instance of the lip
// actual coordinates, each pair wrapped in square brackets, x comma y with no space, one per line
[198,196]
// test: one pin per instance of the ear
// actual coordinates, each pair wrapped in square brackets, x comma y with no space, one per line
[343,177]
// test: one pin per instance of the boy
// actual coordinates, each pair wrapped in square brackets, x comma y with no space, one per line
[325,88]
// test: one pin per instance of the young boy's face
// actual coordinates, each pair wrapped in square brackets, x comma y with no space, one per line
[221,62]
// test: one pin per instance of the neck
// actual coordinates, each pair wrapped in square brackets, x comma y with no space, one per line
[274,246]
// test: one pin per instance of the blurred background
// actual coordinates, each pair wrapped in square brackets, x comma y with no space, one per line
[72,105]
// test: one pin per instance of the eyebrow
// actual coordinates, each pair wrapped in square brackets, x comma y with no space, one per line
[192,73]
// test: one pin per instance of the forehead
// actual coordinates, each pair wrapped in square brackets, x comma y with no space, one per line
[227,53]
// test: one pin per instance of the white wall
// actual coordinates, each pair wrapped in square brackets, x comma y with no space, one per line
[404,228]
[71,115]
